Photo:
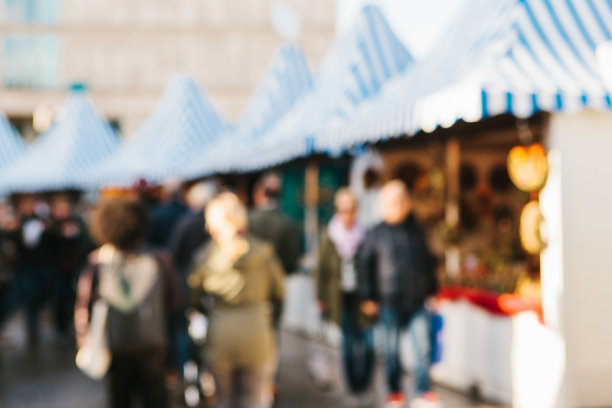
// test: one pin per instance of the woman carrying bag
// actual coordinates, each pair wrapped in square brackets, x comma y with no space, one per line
[126,294]
[338,299]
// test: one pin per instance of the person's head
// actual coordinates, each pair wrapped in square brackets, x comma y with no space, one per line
[346,206]
[171,189]
[8,218]
[122,222]
[226,217]
[26,205]
[61,208]
[395,204]
[199,195]
[267,190]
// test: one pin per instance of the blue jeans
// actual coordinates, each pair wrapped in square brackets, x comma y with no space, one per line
[418,326]
[357,347]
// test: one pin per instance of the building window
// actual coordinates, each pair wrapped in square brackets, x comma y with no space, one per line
[31,61]
[23,126]
[31,11]
[116,125]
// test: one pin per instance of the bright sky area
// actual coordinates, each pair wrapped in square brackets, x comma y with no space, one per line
[416,22]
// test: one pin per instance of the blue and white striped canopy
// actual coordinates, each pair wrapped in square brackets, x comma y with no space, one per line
[504,56]
[79,138]
[12,146]
[183,122]
[287,80]
[358,64]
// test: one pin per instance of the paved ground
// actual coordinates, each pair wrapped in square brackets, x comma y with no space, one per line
[48,379]
[43,379]
[299,393]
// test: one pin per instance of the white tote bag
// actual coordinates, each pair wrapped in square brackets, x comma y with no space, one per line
[321,363]
[94,357]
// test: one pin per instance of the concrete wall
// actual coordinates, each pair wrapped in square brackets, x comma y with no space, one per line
[577,266]
[127,50]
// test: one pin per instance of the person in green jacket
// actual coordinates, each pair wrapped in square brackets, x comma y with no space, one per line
[337,295]
[244,278]
[267,222]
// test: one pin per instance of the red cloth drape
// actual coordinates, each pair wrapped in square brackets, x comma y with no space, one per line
[506,304]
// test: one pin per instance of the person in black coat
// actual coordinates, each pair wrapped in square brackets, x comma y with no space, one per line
[397,278]
[165,216]
[188,237]
[9,261]
[190,233]
[71,246]
[269,223]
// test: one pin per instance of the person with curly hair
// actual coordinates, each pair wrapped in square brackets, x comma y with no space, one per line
[140,290]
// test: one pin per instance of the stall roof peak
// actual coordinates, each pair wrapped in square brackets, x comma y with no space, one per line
[180,125]
[79,138]
[287,79]
[357,65]
[12,146]
[370,52]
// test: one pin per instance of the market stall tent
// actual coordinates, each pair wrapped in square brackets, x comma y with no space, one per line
[79,138]
[354,70]
[182,123]
[509,56]
[287,80]
[521,57]
[12,146]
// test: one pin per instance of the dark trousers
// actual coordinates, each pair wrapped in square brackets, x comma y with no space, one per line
[63,301]
[357,347]
[28,288]
[138,374]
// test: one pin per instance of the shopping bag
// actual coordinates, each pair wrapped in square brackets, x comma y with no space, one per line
[321,364]
[94,357]
[437,325]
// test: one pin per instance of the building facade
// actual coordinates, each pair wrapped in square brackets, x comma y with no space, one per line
[126,51]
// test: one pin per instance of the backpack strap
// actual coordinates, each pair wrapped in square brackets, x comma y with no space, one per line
[87,285]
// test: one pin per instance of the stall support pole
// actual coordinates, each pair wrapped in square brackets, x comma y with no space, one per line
[453,166]
[311,200]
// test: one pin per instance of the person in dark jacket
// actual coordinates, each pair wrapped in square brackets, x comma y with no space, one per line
[338,298]
[190,233]
[9,261]
[165,216]
[397,279]
[34,271]
[71,245]
[189,236]
[267,222]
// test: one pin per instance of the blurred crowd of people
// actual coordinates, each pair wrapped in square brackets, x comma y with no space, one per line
[43,247]
[197,282]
